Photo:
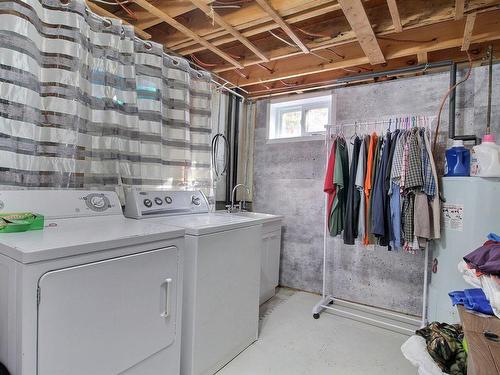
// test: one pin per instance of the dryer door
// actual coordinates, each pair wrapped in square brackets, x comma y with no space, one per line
[104,317]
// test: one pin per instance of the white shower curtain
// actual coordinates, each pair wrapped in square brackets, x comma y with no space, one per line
[85,105]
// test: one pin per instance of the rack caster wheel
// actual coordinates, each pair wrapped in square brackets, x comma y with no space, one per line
[316,316]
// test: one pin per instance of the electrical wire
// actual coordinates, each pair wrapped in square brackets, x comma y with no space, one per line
[335,52]
[283,40]
[202,63]
[112,2]
[443,100]
[314,35]
[407,40]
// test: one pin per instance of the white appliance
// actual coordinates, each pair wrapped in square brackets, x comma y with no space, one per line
[91,293]
[221,276]
[470,213]
[270,251]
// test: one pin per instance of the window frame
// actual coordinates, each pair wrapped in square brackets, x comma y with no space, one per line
[304,103]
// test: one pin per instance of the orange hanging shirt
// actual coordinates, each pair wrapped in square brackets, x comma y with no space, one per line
[368,180]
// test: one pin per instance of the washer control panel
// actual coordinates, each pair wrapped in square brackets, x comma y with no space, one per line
[150,203]
[63,203]
[97,202]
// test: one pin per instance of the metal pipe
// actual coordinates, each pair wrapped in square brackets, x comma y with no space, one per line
[490,78]
[452,101]
[452,106]
[408,69]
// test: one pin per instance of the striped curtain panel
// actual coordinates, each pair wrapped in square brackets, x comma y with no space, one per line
[85,105]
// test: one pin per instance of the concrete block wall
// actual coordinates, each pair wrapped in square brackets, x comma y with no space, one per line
[288,180]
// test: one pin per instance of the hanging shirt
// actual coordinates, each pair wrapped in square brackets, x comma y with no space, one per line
[412,183]
[360,184]
[435,206]
[329,187]
[351,223]
[429,184]
[379,207]
[340,180]
[395,212]
[375,171]
[388,186]
[368,183]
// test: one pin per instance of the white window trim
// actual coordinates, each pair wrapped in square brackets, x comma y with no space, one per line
[312,136]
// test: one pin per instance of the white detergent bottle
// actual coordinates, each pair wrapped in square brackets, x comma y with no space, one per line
[485,158]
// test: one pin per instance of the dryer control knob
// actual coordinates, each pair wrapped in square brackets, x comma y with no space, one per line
[148,203]
[195,200]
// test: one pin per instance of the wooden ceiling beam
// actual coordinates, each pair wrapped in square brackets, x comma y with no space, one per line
[469,27]
[104,13]
[284,26]
[451,36]
[250,18]
[396,19]
[220,37]
[358,19]
[459,9]
[230,29]
[179,26]
[422,58]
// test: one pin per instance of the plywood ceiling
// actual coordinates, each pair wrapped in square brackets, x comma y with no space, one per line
[273,46]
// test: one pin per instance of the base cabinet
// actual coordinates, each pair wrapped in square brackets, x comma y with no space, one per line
[270,260]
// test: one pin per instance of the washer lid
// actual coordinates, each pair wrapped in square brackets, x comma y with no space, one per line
[200,224]
[68,237]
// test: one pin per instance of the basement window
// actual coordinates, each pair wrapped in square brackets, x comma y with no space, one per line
[299,119]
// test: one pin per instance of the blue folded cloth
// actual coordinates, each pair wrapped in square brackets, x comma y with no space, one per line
[472,299]
[494,237]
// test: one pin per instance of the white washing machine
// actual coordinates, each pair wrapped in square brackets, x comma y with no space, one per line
[91,293]
[221,276]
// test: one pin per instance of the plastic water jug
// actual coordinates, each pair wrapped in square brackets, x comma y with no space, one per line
[457,160]
[486,158]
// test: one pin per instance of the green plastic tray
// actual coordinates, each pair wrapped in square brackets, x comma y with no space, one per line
[12,225]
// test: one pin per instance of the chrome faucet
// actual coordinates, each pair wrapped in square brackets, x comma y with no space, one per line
[233,207]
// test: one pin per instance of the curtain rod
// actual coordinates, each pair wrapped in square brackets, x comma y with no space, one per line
[219,85]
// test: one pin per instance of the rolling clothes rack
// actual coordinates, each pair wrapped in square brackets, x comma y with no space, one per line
[328,300]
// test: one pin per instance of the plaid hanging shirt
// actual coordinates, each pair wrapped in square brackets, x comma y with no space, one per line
[429,184]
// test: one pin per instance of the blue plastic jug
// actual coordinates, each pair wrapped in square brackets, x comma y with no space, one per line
[457,160]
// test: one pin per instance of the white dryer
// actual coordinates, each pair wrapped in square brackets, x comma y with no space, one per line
[221,276]
[91,293]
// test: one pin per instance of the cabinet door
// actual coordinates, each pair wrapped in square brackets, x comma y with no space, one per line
[270,264]
[104,317]
[273,244]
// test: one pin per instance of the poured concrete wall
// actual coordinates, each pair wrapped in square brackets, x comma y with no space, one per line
[288,180]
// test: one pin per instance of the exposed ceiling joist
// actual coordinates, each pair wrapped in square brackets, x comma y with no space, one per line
[422,58]
[172,8]
[396,19]
[469,27]
[219,37]
[284,26]
[230,29]
[358,19]
[103,12]
[451,36]
[179,26]
[459,9]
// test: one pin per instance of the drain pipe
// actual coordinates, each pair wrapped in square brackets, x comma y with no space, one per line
[452,104]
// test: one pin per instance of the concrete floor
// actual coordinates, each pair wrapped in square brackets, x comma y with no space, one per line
[291,342]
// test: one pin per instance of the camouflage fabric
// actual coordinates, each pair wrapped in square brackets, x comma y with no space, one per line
[444,344]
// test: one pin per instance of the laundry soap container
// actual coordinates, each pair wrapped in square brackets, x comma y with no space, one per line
[486,158]
[457,160]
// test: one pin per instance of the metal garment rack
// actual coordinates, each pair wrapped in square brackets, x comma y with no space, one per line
[327,301]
